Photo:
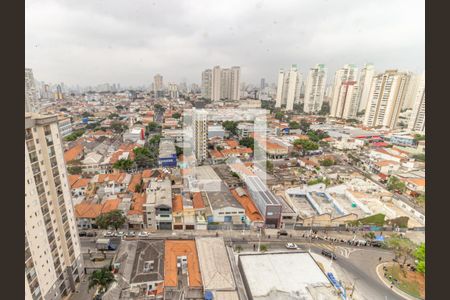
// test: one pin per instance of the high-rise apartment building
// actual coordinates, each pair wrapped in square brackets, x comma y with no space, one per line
[225,84]
[386,97]
[365,81]
[200,126]
[346,106]
[417,119]
[220,83]
[158,85]
[412,90]
[173,91]
[59,93]
[216,83]
[30,92]
[263,84]
[315,89]
[288,89]
[206,83]
[53,262]
[235,92]
[346,73]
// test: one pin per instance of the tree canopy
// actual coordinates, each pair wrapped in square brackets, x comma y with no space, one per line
[306,145]
[294,125]
[230,126]
[395,184]
[247,142]
[101,278]
[419,254]
[113,218]
[123,164]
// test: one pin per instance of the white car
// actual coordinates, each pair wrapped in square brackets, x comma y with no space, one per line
[120,234]
[143,234]
[291,246]
[108,234]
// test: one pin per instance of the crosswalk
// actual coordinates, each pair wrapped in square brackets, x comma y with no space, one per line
[343,251]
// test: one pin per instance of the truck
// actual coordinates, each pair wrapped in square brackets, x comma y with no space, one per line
[104,244]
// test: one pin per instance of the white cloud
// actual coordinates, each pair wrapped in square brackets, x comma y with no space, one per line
[91,42]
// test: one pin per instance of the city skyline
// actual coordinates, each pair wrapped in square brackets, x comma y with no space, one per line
[108,48]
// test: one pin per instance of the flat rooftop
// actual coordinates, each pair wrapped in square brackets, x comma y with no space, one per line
[277,275]
[174,249]
[222,198]
[255,185]
[215,265]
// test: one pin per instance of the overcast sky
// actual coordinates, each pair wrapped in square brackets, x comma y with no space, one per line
[129,41]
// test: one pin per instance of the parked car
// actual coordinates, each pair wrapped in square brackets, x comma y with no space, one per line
[131,234]
[329,254]
[108,234]
[282,232]
[91,234]
[291,246]
[82,233]
[143,234]
[120,234]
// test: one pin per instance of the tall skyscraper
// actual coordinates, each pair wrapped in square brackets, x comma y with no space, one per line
[315,89]
[173,91]
[346,73]
[30,92]
[220,83]
[200,126]
[288,89]
[346,106]
[53,262]
[365,81]
[158,85]
[225,84]
[263,84]
[386,97]
[59,93]
[235,92]
[412,90]
[216,83]
[206,83]
[417,120]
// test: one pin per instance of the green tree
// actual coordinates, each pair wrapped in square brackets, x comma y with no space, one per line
[86,114]
[419,157]
[118,127]
[119,107]
[326,162]
[279,115]
[74,170]
[419,254]
[139,187]
[247,142]
[179,150]
[263,248]
[306,145]
[395,184]
[101,278]
[269,166]
[123,164]
[304,125]
[155,139]
[419,137]
[114,219]
[402,247]
[230,126]
[294,125]
[176,115]
[113,116]
[152,127]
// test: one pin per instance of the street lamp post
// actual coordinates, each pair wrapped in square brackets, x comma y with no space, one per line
[259,240]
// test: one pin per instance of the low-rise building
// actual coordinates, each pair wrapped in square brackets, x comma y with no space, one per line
[139,270]
[158,205]
[167,154]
